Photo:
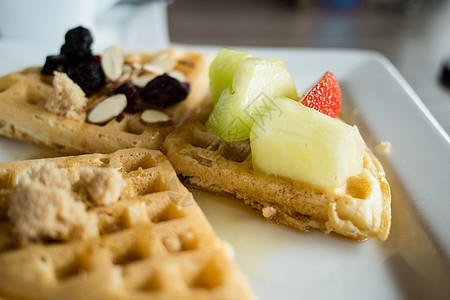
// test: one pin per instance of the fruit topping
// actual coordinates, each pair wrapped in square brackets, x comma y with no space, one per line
[154,117]
[249,95]
[133,99]
[302,144]
[53,63]
[77,61]
[164,91]
[88,75]
[325,96]
[77,46]
[108,109]
[142,82]
[222,70]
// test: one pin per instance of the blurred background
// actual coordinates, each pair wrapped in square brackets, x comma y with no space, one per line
[413,34]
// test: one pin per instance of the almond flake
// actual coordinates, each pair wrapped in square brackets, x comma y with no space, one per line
[142,80]
[136,66]
[154,117]
[94,103]
[127,70]
[177,75]
[164,61]
[154,69]
[112,62]
[108,109]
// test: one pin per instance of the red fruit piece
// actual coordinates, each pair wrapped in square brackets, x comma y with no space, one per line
[325,96]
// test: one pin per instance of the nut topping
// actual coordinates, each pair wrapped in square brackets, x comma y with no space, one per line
[142,80]
[177,75]
[154,117]
[163,61]
[153,69]
[112,62]
[109,108]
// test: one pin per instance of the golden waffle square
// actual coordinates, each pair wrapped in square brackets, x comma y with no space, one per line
[23,115]
[359,209]
[153,243]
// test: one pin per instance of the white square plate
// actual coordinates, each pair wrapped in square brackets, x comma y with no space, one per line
[282,263]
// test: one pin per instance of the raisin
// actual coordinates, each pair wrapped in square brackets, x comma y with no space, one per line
[53,63]
[79,35]
[128,89]
[97,58]
[133,99]
[77,61]
[88,75]
[132,107]
[164,91]
[76,54]
[77,46]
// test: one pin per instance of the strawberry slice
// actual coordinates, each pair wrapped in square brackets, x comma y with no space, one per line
[325,96]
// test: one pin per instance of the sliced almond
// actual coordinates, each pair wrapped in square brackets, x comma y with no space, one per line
[127,73]
[135,73]
[136,66]
[177,75]
[164,61]
[154,69]
[127,70]
[142,80]
[94,103]
[112,62]
[154,117]
[108,109]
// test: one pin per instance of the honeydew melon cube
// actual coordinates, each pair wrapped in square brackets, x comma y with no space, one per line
[222,69]
[256,82]
[305,145]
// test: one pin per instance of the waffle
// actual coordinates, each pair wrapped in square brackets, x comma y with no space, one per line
[23,116]
[359,209]
[153,243]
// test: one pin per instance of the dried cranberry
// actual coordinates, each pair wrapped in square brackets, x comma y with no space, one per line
[128,89]
[53,63]
[79,35]
[77,61]
[77,46]
[132,108]
[97,58]
[164,91]
[88,75]
[133,99]
[76,54]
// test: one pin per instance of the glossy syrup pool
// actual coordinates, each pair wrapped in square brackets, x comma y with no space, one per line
[250,235]
[271,254]
[14,149]
[278,259]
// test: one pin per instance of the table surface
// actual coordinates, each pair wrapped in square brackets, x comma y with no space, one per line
[414,36]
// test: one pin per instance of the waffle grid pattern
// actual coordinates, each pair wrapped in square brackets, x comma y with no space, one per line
[23,116]
[151,245]
[359,209]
